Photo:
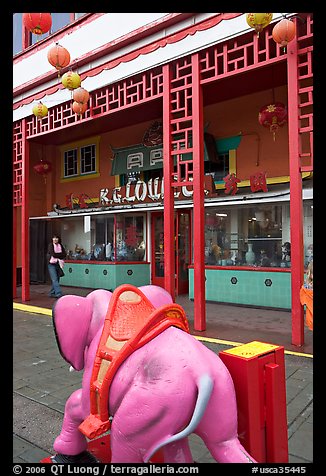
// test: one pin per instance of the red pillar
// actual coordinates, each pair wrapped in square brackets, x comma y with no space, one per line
[296,220]
[198,198]
[14,253]
[25,215]
[169,248]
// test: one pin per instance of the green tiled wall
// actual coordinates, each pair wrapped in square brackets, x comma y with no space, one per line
[254,288]
[101,276]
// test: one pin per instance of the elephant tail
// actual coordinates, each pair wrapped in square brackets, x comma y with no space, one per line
[205,387]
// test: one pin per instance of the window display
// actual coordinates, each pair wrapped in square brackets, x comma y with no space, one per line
[245,236]
[107,238]
[130,238]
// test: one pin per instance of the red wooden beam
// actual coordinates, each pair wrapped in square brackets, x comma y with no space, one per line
[296,219]
[169,249]
[25,215]
[198,198]
[14,253]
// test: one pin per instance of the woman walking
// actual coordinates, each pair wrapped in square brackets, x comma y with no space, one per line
[55,257]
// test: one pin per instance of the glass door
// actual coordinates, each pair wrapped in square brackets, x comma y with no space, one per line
[183,256]
[182,250]
[157,249]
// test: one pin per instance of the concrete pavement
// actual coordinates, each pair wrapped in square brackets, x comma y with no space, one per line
[42,384]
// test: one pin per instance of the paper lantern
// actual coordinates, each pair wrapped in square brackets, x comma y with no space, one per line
[79,108]
[37,23]
[40,110]
[43,167]
[283,32]
[80,95]
[273,116]
[71,80]
[58,57]
[259,21]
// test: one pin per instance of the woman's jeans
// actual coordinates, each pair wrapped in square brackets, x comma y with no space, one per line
[55,289]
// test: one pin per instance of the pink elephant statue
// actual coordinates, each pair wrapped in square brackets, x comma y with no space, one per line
[162,392]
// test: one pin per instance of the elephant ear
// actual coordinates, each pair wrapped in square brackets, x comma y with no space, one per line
[72,316]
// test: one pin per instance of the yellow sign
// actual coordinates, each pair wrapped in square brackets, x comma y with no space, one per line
[252,349]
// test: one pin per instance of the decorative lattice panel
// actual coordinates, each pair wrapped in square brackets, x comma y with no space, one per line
[181,121]
[119,96]
[17,163]
[305,90]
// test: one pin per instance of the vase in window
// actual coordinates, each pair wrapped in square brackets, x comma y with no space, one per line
[250,255]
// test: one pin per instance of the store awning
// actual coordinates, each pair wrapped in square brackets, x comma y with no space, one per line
[139,158]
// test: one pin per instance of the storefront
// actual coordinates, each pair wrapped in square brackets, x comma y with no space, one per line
[247,243]
[204,209]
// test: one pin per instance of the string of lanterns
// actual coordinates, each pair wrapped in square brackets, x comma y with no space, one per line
[272,115]
[59,58]
[283,32]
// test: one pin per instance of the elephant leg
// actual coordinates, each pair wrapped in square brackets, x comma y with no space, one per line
[230,451]
[71,441]
[178,452]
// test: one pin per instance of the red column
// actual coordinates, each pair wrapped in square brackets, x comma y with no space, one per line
[198,197]
[14,253]
[296,220]
[25,215]
[169,249]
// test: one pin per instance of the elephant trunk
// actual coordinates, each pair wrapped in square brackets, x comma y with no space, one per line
[205,388]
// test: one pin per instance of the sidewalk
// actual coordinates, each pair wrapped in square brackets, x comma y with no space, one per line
[42,381]
[226,322]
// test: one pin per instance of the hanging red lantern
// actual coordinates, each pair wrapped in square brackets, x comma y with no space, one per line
[283,32]
[273,116]
[79,108]
[40,110]
[71,80]
[58,57]
[37,23]
[80,95]
[259,21]
[43,167]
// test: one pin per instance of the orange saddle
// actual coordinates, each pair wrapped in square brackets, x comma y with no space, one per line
[131,321]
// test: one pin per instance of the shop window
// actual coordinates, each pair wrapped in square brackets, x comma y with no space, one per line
[103,238]
[80,160]
[246,236]
[130,238]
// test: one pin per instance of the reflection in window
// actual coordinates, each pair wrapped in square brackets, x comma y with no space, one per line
[130,238]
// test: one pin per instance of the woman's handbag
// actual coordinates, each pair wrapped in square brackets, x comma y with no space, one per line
[60,272]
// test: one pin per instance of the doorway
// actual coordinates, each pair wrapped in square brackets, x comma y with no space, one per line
[182,250]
